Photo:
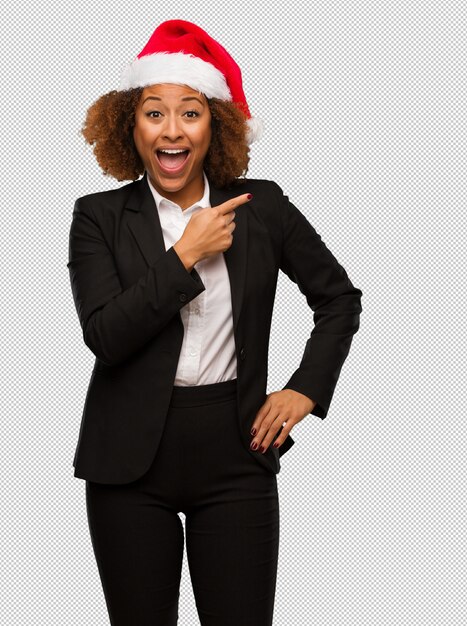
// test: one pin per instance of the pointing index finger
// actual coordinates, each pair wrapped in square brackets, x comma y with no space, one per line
[231,204]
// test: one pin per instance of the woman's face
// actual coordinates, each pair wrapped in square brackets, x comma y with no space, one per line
[170,116]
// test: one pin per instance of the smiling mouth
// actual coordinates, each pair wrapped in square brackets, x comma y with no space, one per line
[172,162]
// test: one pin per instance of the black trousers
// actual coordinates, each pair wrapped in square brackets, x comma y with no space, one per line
[232,522]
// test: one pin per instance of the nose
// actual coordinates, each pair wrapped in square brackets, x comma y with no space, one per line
[172,127]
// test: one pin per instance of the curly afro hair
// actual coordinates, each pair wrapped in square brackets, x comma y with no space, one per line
[109,124]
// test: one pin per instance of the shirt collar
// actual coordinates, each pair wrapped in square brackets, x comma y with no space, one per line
[161,201]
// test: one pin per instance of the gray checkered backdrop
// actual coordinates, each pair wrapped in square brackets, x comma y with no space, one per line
[363,106]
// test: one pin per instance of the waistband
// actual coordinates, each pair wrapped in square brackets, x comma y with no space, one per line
[195,395]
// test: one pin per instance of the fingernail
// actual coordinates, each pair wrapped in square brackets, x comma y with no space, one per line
[249,196]
[262,449]
[253,445]
[253,431]
[275,444]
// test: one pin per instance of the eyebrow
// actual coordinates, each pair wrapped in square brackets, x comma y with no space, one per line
[183,99]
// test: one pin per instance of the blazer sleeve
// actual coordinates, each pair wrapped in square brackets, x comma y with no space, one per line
[116,322]
[335,302]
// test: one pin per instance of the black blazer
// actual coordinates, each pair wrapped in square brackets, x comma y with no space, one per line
[128,291]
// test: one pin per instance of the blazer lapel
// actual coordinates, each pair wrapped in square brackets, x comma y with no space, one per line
[144,223]
[236,255]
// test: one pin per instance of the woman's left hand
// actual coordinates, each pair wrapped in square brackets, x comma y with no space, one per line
[287,406]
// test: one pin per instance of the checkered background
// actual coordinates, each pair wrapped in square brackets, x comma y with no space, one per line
[364,106]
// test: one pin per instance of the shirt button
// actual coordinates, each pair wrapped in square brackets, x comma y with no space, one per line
[182,297]
[197,311]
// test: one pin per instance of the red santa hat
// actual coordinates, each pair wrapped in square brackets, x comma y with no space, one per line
[181,52]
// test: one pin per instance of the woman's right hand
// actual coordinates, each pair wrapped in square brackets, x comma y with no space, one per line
[209,231]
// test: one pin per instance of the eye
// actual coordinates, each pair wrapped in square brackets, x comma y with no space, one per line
[156,114]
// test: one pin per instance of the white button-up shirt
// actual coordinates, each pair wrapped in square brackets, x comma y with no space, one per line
[208,349]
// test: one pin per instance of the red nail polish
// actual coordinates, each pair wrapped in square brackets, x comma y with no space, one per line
[275,444]
[249,196]
[253,445]
[253,431]
[261,449]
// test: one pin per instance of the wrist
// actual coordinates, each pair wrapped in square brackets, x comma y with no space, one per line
[186,256]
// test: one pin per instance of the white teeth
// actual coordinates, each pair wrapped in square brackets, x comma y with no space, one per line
[172,151]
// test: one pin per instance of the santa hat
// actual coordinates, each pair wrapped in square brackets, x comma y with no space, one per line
[181,52]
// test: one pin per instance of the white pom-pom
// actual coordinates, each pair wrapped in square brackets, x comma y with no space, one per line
[255,129]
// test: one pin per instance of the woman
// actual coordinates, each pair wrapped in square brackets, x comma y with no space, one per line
[173,277]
